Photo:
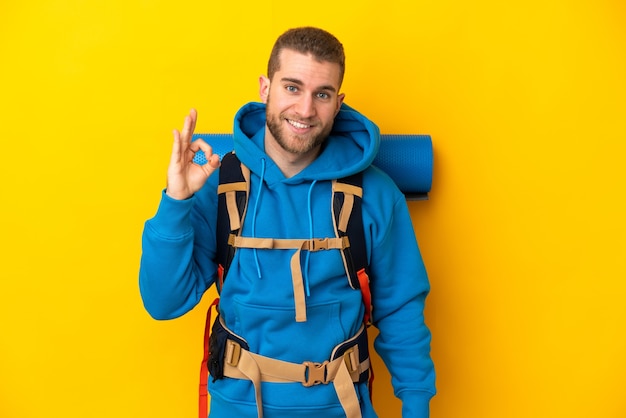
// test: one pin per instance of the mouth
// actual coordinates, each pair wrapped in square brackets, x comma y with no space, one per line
[298,125]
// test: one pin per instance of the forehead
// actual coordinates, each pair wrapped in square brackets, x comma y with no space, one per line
[307,69]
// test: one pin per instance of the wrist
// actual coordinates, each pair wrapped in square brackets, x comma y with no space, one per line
[177,195]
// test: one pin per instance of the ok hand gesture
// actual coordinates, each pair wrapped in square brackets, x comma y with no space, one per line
[184,177]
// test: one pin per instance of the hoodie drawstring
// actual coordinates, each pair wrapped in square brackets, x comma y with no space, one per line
[256,207]
[308,254]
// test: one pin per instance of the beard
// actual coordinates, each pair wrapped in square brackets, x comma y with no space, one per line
[290,142]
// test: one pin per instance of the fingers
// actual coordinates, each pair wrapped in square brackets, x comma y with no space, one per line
[189,126]
[182,139]
[184,177]
[200,144]
[176,148]
[213,160]
[184,150]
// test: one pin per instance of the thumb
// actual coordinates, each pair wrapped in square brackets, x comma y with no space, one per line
[213,162]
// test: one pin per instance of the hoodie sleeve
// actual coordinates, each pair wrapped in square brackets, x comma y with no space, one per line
[178,246]
[399,286]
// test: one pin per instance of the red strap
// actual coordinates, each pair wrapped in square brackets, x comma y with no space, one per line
[203,407]
[364,282]
[220,277]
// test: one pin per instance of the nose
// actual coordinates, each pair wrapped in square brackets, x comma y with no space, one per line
[305,106]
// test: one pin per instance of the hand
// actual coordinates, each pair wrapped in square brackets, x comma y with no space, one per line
[184,177]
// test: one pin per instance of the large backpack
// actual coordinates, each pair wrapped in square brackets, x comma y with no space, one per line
[233,191]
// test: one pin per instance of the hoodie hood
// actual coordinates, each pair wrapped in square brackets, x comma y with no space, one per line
[350,148]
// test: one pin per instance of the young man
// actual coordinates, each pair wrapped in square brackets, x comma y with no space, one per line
[285,310]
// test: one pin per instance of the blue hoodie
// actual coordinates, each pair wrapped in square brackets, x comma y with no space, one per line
[257,301]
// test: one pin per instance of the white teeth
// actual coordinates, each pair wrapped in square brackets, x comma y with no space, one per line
[297,124]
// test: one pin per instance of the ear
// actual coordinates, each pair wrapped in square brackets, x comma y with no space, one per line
[264,88]
[340,98]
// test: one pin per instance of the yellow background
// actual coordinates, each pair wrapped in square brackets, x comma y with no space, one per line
[524,234]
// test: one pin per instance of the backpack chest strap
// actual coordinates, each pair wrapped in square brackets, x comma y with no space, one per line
[316,244]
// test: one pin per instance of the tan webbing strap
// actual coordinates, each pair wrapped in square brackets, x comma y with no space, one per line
[233,212]
[347,188]
[297,282]
[252,372]
[346,210]
[242,364]
[349,191]
[341,223]
[296,269]
[246,175]
[232,187]
[316,244]
[230,191]
[346,392]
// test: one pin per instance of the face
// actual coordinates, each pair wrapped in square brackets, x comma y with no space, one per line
[302,100]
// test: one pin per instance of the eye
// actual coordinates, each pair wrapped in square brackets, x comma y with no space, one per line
[323,95]
[291,89]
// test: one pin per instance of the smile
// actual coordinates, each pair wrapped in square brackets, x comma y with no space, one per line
[298,124]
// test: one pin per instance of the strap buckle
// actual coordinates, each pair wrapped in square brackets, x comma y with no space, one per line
[351,358]
[317,244]
[315,373]
[233,353]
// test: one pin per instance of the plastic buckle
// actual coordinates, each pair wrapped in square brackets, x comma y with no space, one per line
[233,353]
[314,373]
[351,358]
[317,244]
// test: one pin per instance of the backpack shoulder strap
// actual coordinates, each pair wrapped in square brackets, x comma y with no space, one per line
[233,189]
[347,213]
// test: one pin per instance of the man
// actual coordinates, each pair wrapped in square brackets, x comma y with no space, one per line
[279,311]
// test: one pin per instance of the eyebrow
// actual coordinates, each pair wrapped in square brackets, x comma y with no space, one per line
[300,83]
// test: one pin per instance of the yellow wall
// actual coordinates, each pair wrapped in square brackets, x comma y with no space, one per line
[524,235]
